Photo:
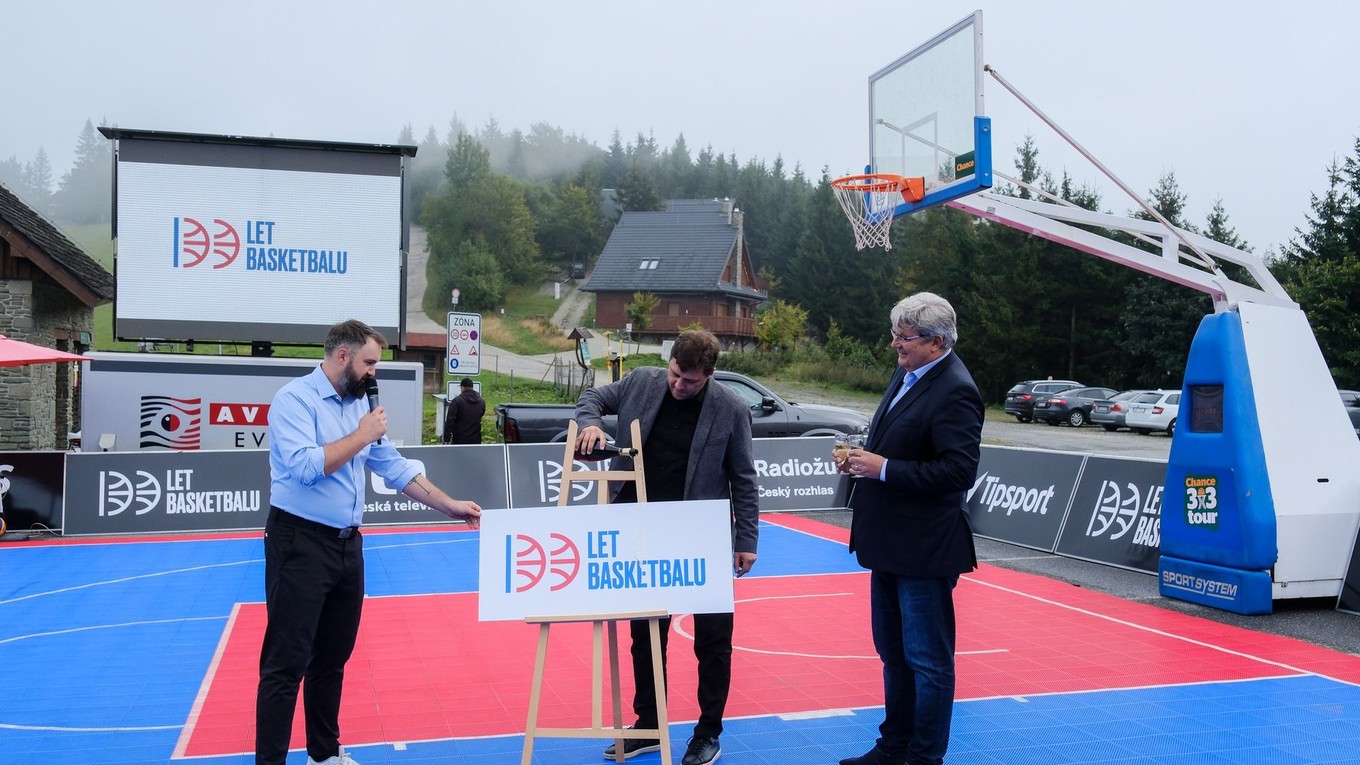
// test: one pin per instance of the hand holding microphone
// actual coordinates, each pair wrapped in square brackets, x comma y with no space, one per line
[374,424]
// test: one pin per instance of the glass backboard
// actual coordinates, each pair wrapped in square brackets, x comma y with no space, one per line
[926,117]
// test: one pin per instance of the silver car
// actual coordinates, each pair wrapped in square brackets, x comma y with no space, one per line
[1156,410]
[1110,413]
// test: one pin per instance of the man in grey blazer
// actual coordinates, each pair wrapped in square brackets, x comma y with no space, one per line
[697,438]
[909,527]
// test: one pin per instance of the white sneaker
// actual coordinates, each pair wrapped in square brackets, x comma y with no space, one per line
[342,759]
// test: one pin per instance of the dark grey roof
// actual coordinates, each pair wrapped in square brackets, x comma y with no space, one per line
[691,242]
[54,244]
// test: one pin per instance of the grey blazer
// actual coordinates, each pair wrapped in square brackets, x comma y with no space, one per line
[721,465]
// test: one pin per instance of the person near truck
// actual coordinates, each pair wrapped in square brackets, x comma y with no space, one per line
[697,438]
[322,435]
[463,417]
[909,528]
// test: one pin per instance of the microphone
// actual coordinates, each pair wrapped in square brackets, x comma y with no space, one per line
[371,388]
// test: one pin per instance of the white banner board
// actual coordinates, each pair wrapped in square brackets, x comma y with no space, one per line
[606,559]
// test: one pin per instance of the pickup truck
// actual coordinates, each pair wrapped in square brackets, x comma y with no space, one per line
[771,416]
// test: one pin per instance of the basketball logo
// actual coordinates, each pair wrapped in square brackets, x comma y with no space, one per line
[529,563]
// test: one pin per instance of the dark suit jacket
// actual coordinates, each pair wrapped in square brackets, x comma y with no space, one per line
[721,461]
[914,523]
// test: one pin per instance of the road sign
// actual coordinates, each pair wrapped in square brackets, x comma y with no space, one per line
[455,388]
[465,343]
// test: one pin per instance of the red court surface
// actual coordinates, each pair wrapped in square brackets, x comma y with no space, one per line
[425,669]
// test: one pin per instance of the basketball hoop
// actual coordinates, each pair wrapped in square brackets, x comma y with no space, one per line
[869,202]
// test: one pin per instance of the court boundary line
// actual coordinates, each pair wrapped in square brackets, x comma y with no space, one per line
[186,730]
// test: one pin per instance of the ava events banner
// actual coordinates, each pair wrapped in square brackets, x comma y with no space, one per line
[605,559]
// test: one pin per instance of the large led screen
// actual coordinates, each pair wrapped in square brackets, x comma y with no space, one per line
[235,239]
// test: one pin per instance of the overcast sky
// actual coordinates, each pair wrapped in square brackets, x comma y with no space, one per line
[1246,101]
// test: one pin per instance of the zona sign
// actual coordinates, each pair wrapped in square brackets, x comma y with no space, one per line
[465,343]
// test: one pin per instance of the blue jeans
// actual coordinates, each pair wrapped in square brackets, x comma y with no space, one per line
[913,627]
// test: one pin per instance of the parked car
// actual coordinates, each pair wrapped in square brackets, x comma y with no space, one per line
[1351,400]
[771,416]
[1071,406]
[1110,413]
[1155,410]
[1021,397]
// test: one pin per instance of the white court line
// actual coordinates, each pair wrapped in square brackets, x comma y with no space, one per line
[187,730]
[178,620]
[65,729]
[1132,625]
[190,569]
[216,657]
[678,625]
[1155,631]
[121,580]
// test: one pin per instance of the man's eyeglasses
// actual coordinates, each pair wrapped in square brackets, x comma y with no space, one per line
[907,338]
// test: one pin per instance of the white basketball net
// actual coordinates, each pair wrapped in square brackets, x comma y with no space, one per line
[869,206]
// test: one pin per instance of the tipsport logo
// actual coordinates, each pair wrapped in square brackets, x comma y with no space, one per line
[530,563]
[171,423]
[195,242]
[118,493]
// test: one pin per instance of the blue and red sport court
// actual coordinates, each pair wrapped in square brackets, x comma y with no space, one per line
[145,651]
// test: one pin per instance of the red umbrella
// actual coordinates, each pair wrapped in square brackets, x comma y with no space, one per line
[17,353]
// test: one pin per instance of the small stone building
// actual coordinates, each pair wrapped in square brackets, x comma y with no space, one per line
[48,290]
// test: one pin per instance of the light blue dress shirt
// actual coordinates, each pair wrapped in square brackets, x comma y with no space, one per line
[307,414]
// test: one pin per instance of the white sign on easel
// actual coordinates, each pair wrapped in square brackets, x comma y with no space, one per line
[597,559]
[464,333]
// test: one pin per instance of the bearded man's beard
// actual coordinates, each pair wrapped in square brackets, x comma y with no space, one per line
[355,384]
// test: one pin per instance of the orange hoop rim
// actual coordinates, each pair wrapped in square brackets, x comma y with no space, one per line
[873,183]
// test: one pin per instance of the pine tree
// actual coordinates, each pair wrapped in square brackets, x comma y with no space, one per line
[1321,270]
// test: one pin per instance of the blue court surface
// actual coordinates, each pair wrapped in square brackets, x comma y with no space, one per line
[143,651]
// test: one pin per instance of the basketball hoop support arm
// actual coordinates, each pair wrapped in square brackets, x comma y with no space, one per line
[1059,223]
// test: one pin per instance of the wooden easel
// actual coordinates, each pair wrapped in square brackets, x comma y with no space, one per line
[598,624]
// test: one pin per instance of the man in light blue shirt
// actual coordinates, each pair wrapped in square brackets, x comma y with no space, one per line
[322,436]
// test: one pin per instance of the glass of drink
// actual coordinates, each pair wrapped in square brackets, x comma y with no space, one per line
[840,451]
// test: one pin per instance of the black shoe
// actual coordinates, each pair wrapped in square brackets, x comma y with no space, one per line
[874,756]
[632,747]
[701,751]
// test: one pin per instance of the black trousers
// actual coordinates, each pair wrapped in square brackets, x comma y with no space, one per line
[713,649]
[314,594]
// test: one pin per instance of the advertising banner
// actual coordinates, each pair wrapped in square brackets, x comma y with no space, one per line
[606,559]
[1022,496]
[1349,599]
[148,492]
[1116,514]
[472,471]
[535,472]
[798,474]
[30,489]
[192,403]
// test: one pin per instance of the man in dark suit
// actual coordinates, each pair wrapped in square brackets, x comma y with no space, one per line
[910,530]
[696,435]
